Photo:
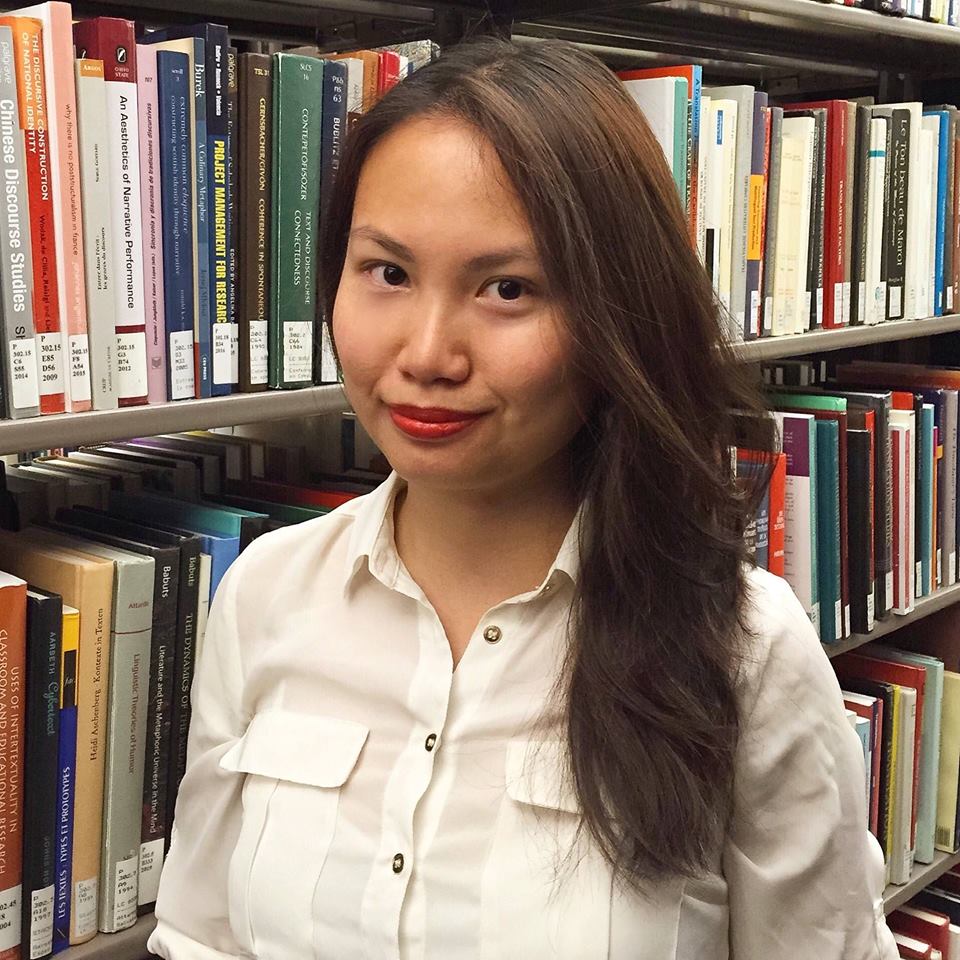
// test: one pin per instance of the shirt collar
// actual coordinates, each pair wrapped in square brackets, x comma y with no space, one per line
[372,543]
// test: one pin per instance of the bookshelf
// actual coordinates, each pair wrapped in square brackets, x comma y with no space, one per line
[923,875]
[129,944]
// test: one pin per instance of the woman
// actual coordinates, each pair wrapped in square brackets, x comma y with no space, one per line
[525,700]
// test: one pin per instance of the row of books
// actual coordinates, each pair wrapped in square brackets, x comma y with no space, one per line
[936,11]
[861,513]
[110,559]
[928,926]
[811,215]
[162,199]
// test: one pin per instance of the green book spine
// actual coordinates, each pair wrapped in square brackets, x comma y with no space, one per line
[828,532]
[297,99]
[814,526]
[811,401]
[680,110]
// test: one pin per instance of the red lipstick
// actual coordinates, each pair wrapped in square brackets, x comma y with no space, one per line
[431,423]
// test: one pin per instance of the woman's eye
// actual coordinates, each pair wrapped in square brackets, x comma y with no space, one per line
[507,290]
[389,273]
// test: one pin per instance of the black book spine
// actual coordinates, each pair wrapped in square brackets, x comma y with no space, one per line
[41,771]
[899,187]
[858,296]
[860,526]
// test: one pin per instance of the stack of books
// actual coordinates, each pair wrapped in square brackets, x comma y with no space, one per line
[155,242]
[110,557]
[811,215]
[936,11]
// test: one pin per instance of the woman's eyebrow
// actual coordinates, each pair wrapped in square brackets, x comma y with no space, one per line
[484,261]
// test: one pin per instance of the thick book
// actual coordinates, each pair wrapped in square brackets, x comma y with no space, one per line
[31,91]
[151,203]
[13,627]
[829,497]
[86,583]
[771,227]
[20,366]
[860,518]
[161,679]
[62,130]
[111,40]
[870,708]
[925,925]
[41,772]
[98,232]
[233,173]
[176,198]
[66,775]
[255,130]
[297,105]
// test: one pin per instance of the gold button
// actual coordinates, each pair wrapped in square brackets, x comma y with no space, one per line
[430,741]
[492,634]
[398,863]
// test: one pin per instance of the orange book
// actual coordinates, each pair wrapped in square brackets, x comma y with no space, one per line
[86,583]
[778,523]
[13,654]
[288,493]
[31,91]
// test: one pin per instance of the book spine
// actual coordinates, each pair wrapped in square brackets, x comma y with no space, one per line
[98,232]
[20,363]
[41,780]
[858,305]
[57,39]
[836,215]
[176,197]
[233,172]
[828,533]
[898,161]
[334,122]
[151,201]
[13,629]
[255,136]
[942,170]
[756,199]
[66,764]
[849,111]
[955,221]
[298,92]
[773,211]
[949,212]
[28,53]
[203,373]
[818,223]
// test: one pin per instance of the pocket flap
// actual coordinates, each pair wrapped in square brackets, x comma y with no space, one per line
[537,775]
[302,748]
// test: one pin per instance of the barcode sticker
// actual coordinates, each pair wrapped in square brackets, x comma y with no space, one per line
[10,918]
[918,581]
[939,567]
[131,365]
[258,351]
[871,612]
[846,301]
[85,900]
[297,351]
[221,353]
[862,302]
[837,620]
[846,620]
[838,303]
[950,297]
[181,365]
[23,369]
[755,312]
[50,346]
[952,567]
[767,314]
[41,922]
[151,865]
[234,353]
[880,303]
[807,302]
[896,302]
[80,367]
[819,306]
[125,893]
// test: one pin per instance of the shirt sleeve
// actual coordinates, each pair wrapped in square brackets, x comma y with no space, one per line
[805,876]
[192,904]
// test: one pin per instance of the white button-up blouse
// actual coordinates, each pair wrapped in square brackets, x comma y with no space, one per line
[351,796]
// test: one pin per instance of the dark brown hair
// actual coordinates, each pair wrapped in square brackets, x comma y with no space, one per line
[648,688]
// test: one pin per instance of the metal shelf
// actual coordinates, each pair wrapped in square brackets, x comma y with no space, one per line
[74,429]
[923,875]
[819,341]
[129,944]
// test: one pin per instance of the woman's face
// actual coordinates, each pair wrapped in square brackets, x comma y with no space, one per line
[453,353]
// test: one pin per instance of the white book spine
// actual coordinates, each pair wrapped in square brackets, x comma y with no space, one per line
[802,318]
[703,148]
[876,289]
[728,159]
[902,859]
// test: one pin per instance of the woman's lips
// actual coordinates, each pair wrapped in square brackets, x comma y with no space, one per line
[432,423]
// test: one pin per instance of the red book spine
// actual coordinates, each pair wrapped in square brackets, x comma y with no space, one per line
[28,51]
[937,934]
[389,74]
[778,525]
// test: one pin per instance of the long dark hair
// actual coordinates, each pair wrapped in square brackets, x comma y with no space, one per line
[656,626]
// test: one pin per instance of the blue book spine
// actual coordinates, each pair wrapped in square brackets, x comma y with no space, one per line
[925,491]
[828,528]
[333,126]
[67,760]
[173,90]
[939,292]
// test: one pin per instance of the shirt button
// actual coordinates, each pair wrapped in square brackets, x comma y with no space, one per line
[492,634]
[430,741]
[398,863]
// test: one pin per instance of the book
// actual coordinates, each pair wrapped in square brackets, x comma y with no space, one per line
[297,99]
[41,772]
[922,924]
[111,40]
[233,174]
[20,358]
[860,520]
[91,97]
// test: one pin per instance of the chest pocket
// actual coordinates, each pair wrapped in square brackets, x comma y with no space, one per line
[294,766]
[548,894]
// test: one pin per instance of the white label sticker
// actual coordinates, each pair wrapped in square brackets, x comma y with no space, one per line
[85,901]
[896,301]
[297,351]
[79,367]
[918,582]
[221,353]
[871,612]
[41,922]
[131,365]
[837,620]
[151,865]
[820,306]
[862,302]
[846,301]
[890,588]
[952,567]
[740,322]
[755,312]
[125,893]
[838,303]
[234,353]
[10,918]
[806,308]
[50,346]
[939,567]
[815,616]
[846,620]
[768,313]
[881,303]
[258,351]
[23,369]
[181,365]
[950,298]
